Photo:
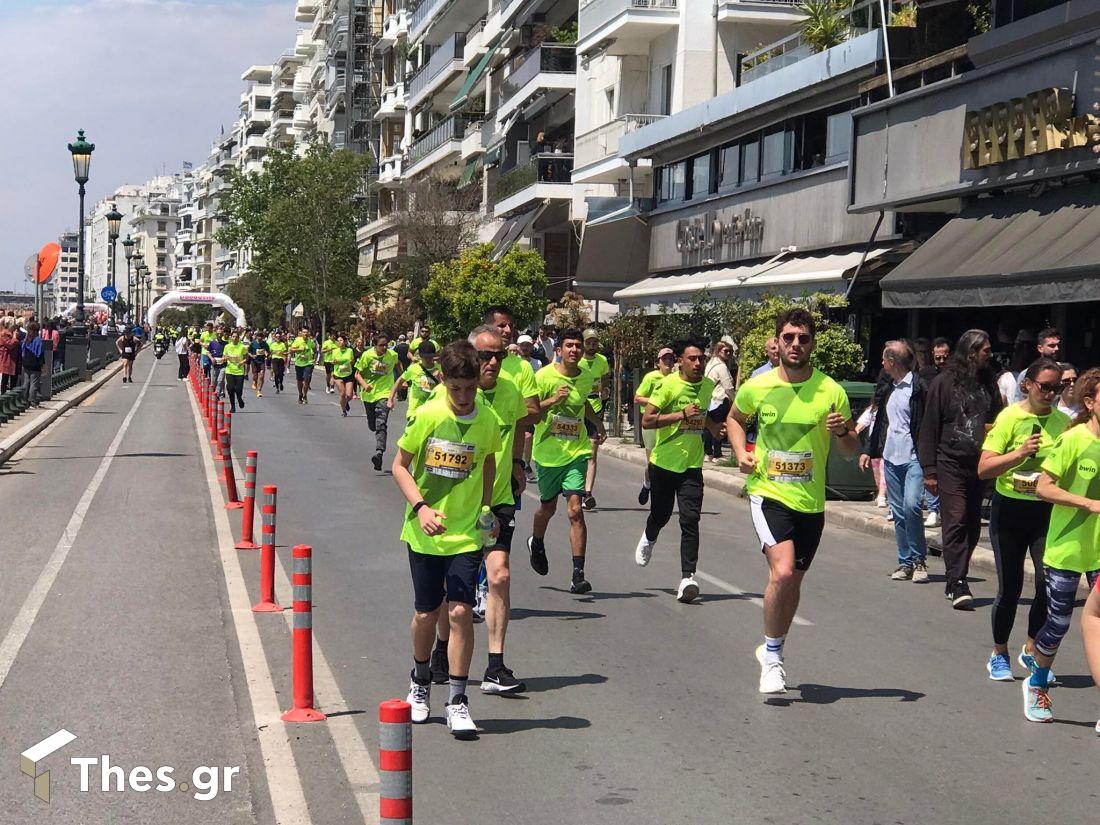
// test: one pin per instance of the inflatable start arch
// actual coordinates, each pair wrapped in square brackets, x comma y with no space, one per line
[218,299]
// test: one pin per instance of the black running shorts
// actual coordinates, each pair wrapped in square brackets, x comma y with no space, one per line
[776,523]
[436,578]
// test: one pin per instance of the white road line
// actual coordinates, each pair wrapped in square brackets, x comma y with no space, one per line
[24,620]
[284,784]
[737,591]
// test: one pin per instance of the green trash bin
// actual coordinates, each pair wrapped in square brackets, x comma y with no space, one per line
[844,480]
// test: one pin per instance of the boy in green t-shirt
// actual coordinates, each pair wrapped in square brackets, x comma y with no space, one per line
[446,469]
[301,350]
[421,379]
[327,346]
[595,366]
[374,374]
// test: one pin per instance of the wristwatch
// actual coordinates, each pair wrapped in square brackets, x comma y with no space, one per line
[418,505]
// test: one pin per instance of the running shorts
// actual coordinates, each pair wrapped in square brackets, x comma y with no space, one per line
[328,369]
[776,523]
[436,578]
[258,367]
[303,373]
[506,521]
[566,480]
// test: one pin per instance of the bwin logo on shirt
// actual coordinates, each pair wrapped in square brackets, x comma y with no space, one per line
[1086,468]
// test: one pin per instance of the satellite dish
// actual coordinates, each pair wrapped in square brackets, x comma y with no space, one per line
[31,267]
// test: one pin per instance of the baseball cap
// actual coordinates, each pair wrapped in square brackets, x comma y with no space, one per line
[525,339]
[663,351]
[591,333]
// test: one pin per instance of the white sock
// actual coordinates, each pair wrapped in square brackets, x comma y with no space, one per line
[773,649]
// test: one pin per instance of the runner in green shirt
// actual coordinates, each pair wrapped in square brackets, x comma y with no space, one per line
[204,340]
[798,410]
[561,451]
[374,374]
[301,349]
[678,411]
[666,361]
[1070,480]
[327,346]
[421,378]
[445,468]
[236,362]
[522,374]
[594,365]
[277,346]
[342,358]
[425,335]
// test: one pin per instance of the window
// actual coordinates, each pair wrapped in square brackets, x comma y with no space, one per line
[729,166]
[666,90]
[161,243]
[162,226]
[778,154]
[672,183]
[700,176]
[838,139]
[609,103]
[750,161]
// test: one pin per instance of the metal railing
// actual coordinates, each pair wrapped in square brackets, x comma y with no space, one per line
[552,58]
[447,130]
[441,58]
[596,13]
[603,141]
[543,168]
[419,18]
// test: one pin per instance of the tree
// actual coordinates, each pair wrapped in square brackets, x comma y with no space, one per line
[459,291]
[253,294]
[398,317]
[570,312]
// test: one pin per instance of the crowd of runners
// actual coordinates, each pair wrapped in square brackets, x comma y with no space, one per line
[489,415]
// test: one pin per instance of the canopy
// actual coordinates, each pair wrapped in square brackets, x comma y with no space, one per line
[513,228]
[474,75]
[614,254]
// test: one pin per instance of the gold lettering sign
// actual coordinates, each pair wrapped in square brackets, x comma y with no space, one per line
[1041,122]
[720,238]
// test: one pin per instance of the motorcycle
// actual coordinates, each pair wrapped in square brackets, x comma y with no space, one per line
[159,348]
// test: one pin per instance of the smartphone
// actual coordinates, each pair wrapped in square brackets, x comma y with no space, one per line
[1036,429]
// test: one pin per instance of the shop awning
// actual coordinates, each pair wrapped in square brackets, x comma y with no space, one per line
[1006,252]
[791,275]
[613,255]
[513,228]
[474,75]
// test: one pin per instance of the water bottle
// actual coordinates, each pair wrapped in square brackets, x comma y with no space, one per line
[485,523]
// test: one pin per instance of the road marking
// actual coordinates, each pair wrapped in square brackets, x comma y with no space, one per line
[284,784]
[24,620]
[737,591]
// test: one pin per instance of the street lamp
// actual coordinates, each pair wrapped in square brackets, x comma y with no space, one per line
[128,249]
[131,286]
[114,224]
[81,151]
[143,273]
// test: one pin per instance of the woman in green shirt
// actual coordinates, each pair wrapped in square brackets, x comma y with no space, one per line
[236,361]
[342,358]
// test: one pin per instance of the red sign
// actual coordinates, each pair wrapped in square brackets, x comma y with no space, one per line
[47,262]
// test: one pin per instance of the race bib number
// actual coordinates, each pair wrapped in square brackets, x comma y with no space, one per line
[694,424]
[790,467]
[425,384]
[449,459]
[565,428]
[378,367]
[128,350]
[1025,483]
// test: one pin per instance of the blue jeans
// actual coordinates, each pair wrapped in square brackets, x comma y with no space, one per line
[904,490]
[931,502]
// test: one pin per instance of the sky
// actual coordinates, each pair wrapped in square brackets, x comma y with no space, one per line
[150,81]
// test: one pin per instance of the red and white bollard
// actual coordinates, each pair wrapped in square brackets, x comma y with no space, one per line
[248,513]
[302,579]
[267,603]
[228,416]
[233,501]
[395,803]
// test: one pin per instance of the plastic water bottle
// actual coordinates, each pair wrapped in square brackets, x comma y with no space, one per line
[485,523]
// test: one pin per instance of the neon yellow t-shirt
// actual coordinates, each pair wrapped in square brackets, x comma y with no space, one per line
[302,351]
[1012,428]
[327,346]
[421,384]
[649,383]
[509,405]
[235,355]
[204,338]
[377,370]
[521,373]
[1073,538]
[448,465]
[560,437]
[342,359]
[414,345]
[680,445]
[792,444]
[278,350]
[596,368]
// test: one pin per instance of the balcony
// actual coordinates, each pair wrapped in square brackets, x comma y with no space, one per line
[390,169]
[472,144]
[436,145]
[393,102]
[302,88]
[444,64]
[545,176]
[434,18]
[596,150]
[760,11]
[395,27]
[306,10]
[255,142]
[301,117]
[304,45]
[338,34]
[621,20]
[544,68]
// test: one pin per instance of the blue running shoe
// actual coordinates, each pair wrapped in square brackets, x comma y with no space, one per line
[1037,706]
[999,668]
[1026,660]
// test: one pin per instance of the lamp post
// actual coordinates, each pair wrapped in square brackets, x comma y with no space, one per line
[143,275]
[128,248]
[131,286]
[114,224]
[81,151]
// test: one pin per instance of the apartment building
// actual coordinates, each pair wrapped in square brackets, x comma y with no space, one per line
[152,227]
[61,291]
[255,118]
[281,132]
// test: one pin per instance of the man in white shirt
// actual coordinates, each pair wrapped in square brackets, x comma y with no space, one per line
[772,350]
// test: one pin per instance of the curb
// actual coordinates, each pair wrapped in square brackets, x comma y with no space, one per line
[837,515]
[19,439]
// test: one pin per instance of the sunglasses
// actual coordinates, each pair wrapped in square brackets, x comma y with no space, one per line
[1068,382]
[487,355]
[803,338]
[1052,386]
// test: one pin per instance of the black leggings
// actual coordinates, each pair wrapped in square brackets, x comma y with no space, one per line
[185,365]
[1017,528]
[686,489]
[278,370]
[234,387]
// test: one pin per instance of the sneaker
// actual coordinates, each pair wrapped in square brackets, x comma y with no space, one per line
[920,573]
[376,460]
[242,403]
[459,723]
[501,680]
[688,590]
[580,584]
[530,475]
[880,501]
[259,394]
[588,502]
[644,551]
[932,520]
[480,600]
[1028,662]
[344,413]
[889,515]
[961,597]
[999,668]
[643,496]
[539,563]
[903,574]
[419,696]
[1037,704]
[439,667]
[773,678]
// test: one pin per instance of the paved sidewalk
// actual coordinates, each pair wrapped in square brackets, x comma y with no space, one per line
[862,516]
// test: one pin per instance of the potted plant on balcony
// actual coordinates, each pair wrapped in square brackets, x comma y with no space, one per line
[826,24]
[566,34]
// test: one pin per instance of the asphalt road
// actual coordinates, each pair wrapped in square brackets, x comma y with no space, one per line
[639,709]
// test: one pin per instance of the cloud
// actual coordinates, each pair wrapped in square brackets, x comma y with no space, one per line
[150,81]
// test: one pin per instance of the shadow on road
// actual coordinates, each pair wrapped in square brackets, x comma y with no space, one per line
[711,597]
[827,694]
[596,596]
[521,613]
[544,684]
[496,726]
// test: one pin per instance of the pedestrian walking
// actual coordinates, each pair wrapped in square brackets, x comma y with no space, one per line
[33,358]
[128,347]
[720,371]
[183,350]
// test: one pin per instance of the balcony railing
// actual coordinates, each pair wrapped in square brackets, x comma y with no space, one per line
[437,63]
[426,9]
[603,141]
[450,129]
[551,58]
[596,13]
[544,168]
[859,19]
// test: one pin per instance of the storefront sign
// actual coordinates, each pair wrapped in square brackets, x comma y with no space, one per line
[721,238]
[1042,121]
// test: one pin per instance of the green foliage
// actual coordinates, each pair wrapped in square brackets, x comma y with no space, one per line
[980,14]
[566,33]
[825,25]
[187,317]
[396,318]
[460,290]
[905,16]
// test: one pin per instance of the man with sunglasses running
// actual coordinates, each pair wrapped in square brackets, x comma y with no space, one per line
[797,409]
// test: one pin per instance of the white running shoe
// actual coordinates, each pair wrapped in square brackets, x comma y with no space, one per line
[459,723]
[480,601]
[773,679]
[688,590]
[880,501]
[418,697]
[932,520]
[644,551]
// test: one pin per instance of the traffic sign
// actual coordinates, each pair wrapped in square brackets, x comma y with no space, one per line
[108,293]
[48,256]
